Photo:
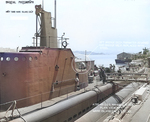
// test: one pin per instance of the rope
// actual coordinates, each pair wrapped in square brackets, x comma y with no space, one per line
[117,98]
[14,103]
[101,92]
[13,106]
[148,118]
[20,115]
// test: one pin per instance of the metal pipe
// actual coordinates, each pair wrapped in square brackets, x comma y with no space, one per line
[43,4]
[36,28]
[98,114]
[55,14]
[63,106]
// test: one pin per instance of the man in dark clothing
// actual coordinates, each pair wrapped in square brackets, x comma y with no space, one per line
[119,73]
[77,81]
[102,75]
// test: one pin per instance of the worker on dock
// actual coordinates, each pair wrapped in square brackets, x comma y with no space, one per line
[113,68]
[119,73]
[77,81]
[102,75]
[91,73]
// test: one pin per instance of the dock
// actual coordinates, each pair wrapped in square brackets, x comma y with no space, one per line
[134,77]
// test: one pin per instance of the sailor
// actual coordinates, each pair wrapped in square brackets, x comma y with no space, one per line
[113,67]
[119,73]
[77,81]
[91,72]
[102,75]
[110,66]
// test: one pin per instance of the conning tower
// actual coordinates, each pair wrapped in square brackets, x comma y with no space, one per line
[45,31]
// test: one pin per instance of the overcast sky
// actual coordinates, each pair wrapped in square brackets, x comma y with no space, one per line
[93,25]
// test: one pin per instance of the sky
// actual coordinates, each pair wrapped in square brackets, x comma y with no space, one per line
[103,26]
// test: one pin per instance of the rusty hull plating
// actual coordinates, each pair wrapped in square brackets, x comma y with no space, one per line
[37,74]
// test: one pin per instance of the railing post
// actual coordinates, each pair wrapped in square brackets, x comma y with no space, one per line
[84,86]
[67,93]
[147,78]
[41,100]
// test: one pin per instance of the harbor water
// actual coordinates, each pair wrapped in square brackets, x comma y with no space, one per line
[100,60]
[103,60]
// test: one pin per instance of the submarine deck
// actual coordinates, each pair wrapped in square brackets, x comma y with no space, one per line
[25,110]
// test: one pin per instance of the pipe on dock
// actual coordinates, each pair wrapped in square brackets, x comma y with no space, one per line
[62,107]
[98,114]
